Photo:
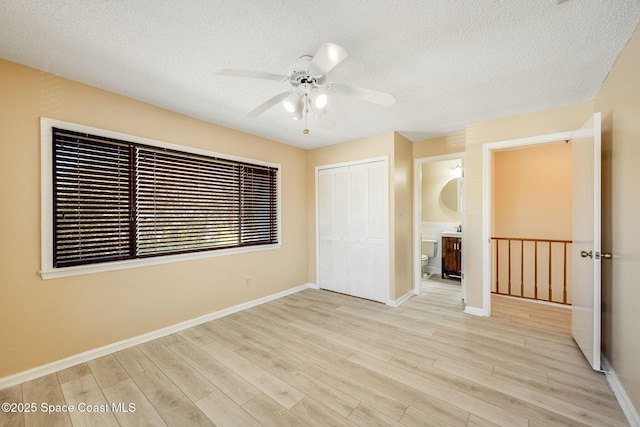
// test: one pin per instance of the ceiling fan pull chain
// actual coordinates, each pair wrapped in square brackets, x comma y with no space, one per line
[306,114]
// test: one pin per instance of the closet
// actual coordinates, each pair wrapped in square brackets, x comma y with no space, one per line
[352,224]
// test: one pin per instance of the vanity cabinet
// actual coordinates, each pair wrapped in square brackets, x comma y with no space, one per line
[451,257]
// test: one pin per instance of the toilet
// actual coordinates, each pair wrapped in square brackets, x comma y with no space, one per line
[428,250]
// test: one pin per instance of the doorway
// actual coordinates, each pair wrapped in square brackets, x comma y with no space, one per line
[586,230]
[488,198]
[439,220]
[531,254]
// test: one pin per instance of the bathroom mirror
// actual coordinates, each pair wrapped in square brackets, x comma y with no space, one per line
[452,194]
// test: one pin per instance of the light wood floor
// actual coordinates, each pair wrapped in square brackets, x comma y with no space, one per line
[320,358]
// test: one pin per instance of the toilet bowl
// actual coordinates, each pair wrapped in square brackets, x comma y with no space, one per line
[428,250]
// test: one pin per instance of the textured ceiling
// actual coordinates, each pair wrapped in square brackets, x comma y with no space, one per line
[447,62]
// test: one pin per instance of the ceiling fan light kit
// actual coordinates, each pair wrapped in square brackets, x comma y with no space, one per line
[309,92]
[293,103]
[319,99]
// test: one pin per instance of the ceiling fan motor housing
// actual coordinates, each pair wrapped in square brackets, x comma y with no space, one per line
[299,73]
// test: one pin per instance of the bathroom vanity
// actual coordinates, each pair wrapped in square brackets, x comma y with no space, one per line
[452,255]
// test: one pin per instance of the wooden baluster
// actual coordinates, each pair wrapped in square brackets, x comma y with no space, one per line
[535,273]
[521,268]
[509,269]
[564,283]
[550,288]
[497,265]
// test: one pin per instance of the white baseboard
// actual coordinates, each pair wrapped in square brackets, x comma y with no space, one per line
[475,311]
[314,286]
[403,298]
[67,362]
[623,399]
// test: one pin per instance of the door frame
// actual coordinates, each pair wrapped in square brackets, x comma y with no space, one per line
[417,219]
[487,207]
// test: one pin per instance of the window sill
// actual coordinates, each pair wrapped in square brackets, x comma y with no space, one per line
[56,273]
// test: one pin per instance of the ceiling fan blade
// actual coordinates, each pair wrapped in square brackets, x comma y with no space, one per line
[328,56]
[250,74]
[267,104]
[369,95]
[326,120]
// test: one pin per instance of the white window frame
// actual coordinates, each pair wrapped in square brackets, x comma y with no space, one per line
[48,271]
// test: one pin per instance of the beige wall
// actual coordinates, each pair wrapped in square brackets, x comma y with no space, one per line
[43,321]
[532,192]
[439,146]
[619,102]
[435,175]
[403,218]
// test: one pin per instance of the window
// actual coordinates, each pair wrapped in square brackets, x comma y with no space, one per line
[115,199]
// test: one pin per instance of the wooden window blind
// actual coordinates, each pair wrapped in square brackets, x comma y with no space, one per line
[117,200]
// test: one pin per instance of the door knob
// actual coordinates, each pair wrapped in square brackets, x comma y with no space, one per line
[607,255]
[585,254]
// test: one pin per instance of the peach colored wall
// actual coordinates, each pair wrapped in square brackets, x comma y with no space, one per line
[532,198]
[619,102]
[532,190]
[43,321]
[554,120]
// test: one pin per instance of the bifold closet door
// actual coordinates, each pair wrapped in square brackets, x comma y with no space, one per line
[358,231]
[352,235]
[377,268]
[333,229]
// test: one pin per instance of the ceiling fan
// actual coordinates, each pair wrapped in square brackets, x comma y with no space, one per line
[309,89]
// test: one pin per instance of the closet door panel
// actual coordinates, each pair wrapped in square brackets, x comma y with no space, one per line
[341,210]
[358,195]
[377,274]
[326,198]
[358,227]
[325,264]
[357,269]
[377,195]
[341,232]
[341,278]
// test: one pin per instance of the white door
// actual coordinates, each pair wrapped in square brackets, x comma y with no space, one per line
[377,232]
[358,238]
[333,229]
[326,207]
[369,254]
[586,300]
[352,230]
